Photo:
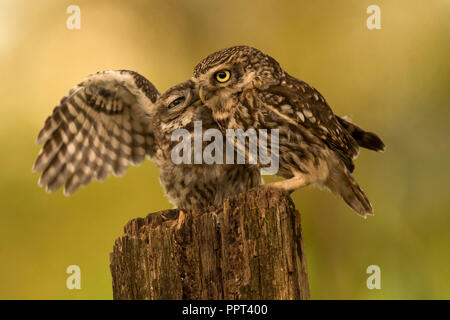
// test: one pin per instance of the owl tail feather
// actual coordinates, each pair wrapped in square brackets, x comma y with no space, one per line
[365,139]
[344,185]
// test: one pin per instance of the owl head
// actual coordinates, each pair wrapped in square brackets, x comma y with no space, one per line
[224,75]
[175,107]
[178,108]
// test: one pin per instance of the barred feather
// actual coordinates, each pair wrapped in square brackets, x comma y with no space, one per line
[99,128]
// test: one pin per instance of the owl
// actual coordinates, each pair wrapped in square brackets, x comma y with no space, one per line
[192,185]
[246,88]
[116,118]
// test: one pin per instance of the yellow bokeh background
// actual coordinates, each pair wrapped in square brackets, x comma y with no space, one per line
[394,81]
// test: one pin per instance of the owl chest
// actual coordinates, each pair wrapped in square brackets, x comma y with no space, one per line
[195,185]
[245,115]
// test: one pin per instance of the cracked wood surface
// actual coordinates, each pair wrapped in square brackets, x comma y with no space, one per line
[250,248]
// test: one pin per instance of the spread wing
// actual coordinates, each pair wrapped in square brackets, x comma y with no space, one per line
[302,105]
[99,128]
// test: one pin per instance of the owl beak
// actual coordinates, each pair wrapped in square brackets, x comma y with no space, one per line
[204,94]
[197,103]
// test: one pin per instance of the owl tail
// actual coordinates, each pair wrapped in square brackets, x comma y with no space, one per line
[344,185]
[364,138]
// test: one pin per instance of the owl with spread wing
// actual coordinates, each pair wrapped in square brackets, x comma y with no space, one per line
[116,118]
[246,88]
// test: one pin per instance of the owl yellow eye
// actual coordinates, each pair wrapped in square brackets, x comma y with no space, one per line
[176,102]
[222,76]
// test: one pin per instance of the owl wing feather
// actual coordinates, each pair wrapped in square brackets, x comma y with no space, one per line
[100,127]
[365,139]
[302,105]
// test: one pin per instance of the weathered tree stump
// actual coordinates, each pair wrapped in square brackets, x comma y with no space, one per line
[250,248]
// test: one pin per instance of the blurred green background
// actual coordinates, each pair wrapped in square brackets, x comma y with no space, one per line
[394,81]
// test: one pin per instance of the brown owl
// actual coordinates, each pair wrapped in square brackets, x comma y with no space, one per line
[116,118]
[245,88]
[188,184]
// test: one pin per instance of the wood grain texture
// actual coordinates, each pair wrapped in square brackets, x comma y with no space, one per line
[250,248]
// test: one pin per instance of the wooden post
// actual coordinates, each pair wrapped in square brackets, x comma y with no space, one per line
[250,248]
